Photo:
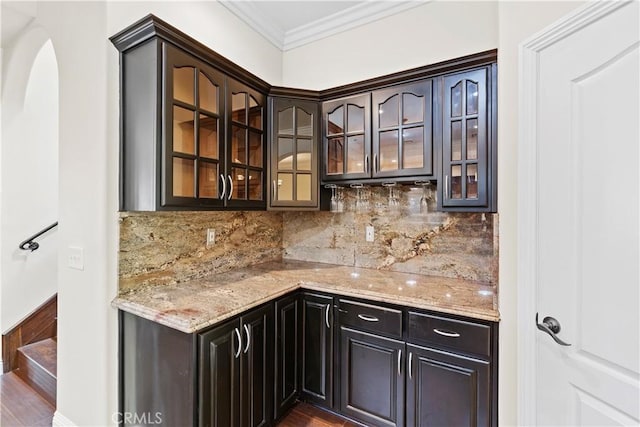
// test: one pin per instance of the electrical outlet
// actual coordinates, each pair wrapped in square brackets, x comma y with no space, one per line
[211,237]
[369,233]
[75,259]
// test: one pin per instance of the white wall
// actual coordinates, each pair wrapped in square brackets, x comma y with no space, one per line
[424,35]
[517,21]
[29,176]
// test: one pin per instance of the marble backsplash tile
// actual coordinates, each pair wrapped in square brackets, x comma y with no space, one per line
[459,245]
[169,247]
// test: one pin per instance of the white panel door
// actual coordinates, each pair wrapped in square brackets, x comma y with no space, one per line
[587,256]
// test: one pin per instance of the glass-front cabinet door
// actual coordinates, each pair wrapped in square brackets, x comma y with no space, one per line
[347,138]
[294,154]
[402,131]
[194,127]
[243,185]
[465,139]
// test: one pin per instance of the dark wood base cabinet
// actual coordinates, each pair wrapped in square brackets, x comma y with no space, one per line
[377,364]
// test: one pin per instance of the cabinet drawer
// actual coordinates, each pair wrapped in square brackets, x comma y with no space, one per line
[372,318]
[457,335]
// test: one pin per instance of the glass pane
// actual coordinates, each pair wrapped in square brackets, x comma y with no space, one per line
[208,94]
[255,149]
[472,98]
[238,145]
[255,185]
[183,78]
[336,121]
[456,182]
[183,177]
[183,140]
[413,146]
[285,121]
[285,186]
[355,118]
[456,100]
[238,107]
[255,113]
[208,137]
[456,140]
[472,181]
[355,154]
[303,186]
[304,123]
[239,177]
[285,153]
[335,155]
[303,156]
[388,112]
[208,180]
[412,108]
[389,150]
[472,139]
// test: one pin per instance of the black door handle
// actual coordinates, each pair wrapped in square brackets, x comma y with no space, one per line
[552,327]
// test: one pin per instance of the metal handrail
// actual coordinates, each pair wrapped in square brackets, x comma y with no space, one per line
[29,244]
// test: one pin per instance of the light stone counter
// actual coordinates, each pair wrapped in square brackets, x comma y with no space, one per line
[196,304]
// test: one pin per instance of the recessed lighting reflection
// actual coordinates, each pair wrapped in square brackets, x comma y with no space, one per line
[399,288]
[448,295]
[485,293]
[355,275]
[411,282]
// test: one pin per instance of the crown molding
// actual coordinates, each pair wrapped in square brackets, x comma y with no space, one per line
[352,17]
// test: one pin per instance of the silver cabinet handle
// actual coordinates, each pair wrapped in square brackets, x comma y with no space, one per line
[326,316]
[375,163]
[552,327]
[230,187]
[273,191]
[246,329]
[224,187]
[366,163]
[368,318]
[446,187]
[410,364]
[446,333]
[239,342]
[399,363]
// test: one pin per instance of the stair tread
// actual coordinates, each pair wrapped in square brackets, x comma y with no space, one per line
[20,405]
[44,353]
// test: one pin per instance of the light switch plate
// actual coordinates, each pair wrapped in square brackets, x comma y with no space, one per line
[75,258]
[369,233]
[211,237]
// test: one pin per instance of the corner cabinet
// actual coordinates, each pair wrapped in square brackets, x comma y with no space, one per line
[468,178]
[192,135]
[293,172]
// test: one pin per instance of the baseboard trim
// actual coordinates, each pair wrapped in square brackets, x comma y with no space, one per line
[60,420]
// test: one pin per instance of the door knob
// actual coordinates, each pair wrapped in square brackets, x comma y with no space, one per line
[552,327]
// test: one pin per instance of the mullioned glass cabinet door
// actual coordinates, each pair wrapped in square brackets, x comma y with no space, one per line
[465,139]
[346,141]
[193,149]
[402,131]
[294,154]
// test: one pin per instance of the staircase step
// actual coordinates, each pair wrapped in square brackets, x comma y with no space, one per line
[20,405]
[37,366]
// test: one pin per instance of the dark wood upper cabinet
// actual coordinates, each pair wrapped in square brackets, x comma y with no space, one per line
[402,131]
[468,177]
[294,154]
[193,124]
[346,140]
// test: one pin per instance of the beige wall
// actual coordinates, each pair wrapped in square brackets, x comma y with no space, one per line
[517,21]
[427,34]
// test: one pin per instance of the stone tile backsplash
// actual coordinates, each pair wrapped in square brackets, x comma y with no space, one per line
[170,247]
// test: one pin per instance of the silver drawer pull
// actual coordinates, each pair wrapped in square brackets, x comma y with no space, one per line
[446,333]
[239,342]
[326,316]
[368,318]
[246,329]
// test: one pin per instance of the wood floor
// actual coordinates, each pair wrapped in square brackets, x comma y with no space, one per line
[21,406]
[305,415]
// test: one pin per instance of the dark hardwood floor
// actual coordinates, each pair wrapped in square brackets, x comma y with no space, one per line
[21,406]
[305,415]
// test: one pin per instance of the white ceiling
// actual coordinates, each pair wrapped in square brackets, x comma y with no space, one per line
[289,24]
[15,17]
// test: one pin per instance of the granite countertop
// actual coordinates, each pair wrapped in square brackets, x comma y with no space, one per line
[194,305]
